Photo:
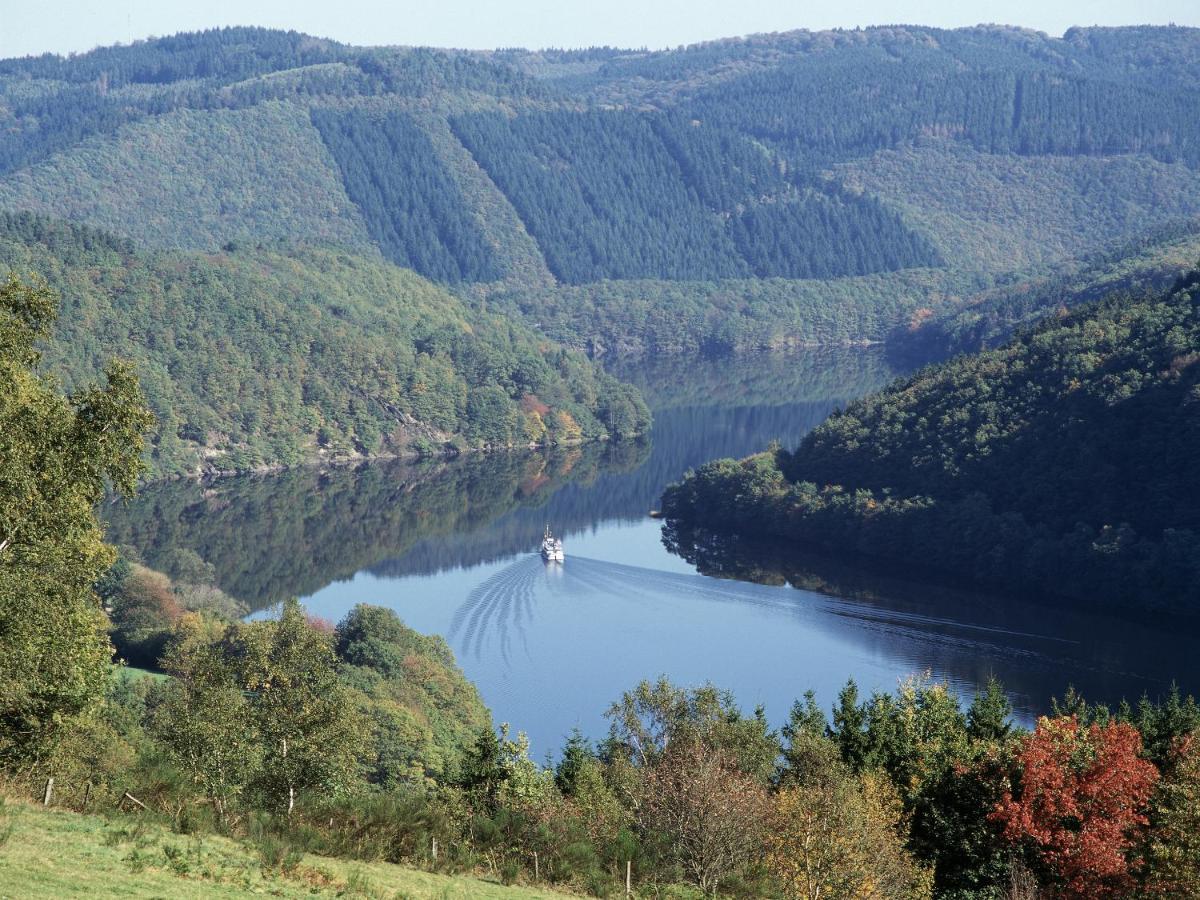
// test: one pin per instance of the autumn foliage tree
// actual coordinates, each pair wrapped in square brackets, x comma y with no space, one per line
[1174,855]
[1080,806]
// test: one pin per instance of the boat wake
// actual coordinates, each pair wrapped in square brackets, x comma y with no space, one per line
[505,598]
[503,607]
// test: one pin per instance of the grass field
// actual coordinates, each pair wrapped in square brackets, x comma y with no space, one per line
[135,672]
[59,854]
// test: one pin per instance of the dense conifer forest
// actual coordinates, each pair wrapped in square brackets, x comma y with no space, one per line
[619,196]
[412,208]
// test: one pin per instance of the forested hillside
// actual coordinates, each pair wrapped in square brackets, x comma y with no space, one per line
[260,357]
[413,209]
[612,195]
[1147,266]
[259,745]
[777,168]
[1060,463]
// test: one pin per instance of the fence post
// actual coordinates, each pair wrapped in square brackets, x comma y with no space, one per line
[435,850]
[629,878]
[49,791]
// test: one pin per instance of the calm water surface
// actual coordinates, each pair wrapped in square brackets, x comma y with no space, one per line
[450,547]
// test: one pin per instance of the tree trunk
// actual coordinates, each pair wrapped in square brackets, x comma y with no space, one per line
[291,786]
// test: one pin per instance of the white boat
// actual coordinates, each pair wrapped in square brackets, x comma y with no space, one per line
[552,548]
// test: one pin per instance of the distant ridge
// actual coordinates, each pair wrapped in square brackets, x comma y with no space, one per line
[775,190]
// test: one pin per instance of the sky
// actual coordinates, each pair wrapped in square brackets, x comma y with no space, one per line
[67,26]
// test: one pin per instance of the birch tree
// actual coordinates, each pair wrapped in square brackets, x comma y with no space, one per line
[309,730]
[56,453]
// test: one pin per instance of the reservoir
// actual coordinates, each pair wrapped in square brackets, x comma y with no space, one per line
[452,547]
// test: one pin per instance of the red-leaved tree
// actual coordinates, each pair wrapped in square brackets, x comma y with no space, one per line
[1081,804]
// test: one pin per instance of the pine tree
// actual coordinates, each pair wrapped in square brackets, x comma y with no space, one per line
[849,727]
[988,718]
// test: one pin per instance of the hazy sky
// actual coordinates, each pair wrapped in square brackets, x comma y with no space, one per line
[62,26]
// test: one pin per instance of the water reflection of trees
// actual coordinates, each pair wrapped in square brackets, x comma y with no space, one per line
[682,439]
[778,564]
[292,533]
[1035,648]
[274,536]
[270,537]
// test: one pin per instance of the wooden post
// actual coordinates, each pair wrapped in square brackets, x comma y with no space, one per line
[435,851]
[87,794]
[629,878]
[49,791]
[536,873]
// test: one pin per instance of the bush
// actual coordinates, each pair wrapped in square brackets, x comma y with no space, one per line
[276,852]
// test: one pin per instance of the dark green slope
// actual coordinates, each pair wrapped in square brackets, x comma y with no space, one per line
[838,94]
[260,357]
[412,206]
[621,195]
[1062,462]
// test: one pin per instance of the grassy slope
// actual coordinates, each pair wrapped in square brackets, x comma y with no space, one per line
[57,854]
[134,672]
[196,179]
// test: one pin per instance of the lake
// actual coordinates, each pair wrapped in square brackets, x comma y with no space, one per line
[451,546]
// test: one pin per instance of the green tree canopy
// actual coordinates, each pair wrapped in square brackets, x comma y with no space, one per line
[58,453]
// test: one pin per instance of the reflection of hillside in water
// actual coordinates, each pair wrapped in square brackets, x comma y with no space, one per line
[1034,648]
[704,408]
[682,439]
[293,533]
